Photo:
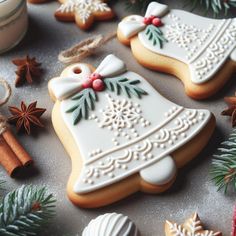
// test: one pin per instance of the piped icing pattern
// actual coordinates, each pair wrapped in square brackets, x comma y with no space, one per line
[111,224]
[84,9]
[124,133]
[193,226]
[203,44]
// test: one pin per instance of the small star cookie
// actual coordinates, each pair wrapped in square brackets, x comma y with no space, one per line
[83,12]
[192,226]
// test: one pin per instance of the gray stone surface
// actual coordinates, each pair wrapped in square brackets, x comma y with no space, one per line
[193,190]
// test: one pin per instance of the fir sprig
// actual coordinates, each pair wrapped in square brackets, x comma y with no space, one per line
[216,6]
[127,86]
[224,164]
[85,102]
[24,211]
[155,35]
[137,5]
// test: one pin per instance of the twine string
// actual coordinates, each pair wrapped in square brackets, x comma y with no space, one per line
[84,49]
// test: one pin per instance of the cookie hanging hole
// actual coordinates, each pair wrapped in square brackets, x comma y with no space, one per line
[77,70]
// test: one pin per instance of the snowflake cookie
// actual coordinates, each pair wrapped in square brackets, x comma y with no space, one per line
[192,227]
[200,51]
[121,134]
[83,12]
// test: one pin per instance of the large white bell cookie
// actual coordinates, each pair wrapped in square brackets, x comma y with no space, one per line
[120,133]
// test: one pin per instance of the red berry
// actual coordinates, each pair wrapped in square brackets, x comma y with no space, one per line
[147,20]
[98,85]
[157,22]
[152,17]
[95,76]
[87,84]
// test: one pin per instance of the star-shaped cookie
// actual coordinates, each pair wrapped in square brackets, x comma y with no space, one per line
[191,227]
[83,12]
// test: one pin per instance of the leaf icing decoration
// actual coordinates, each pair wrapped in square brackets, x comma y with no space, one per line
[85,102]
[127,86]
[155,35]
[85,99]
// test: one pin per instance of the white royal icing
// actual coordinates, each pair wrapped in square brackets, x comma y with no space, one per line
[84,8]
[203,44]
[233,55]
[162,172]
[111,224]
[124,136]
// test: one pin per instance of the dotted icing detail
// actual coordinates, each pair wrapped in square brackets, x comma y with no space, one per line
[119,116]
[186,36]
[143,150]
[217,51]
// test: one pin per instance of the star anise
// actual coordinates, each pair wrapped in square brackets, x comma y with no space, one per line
[28,69]
[26,117]
[231,110]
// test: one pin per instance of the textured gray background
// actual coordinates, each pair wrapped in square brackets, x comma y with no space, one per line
[193,190]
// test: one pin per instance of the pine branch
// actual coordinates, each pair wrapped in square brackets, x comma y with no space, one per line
[24,211]
[215,6]
[155,35]
[137,5]
[224,165]
[127,86]
[86,99]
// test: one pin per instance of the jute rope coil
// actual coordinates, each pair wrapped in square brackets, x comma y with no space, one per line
[84,49]
[4,100]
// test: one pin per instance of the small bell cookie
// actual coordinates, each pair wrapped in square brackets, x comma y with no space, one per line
[201,52]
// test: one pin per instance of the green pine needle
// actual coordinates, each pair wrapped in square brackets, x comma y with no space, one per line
[127,86]
[85,102]
[215,6]
[155,35]
[24,211]
[224,165]
[137,5]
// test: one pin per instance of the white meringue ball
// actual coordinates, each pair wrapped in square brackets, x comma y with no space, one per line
[111,224]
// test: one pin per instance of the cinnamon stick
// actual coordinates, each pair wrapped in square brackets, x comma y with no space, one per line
[16,148]
[8,158]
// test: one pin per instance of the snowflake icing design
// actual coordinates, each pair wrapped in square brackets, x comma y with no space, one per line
[84,8]
[182,34]
[120,116]
[189,37]
[192,227]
